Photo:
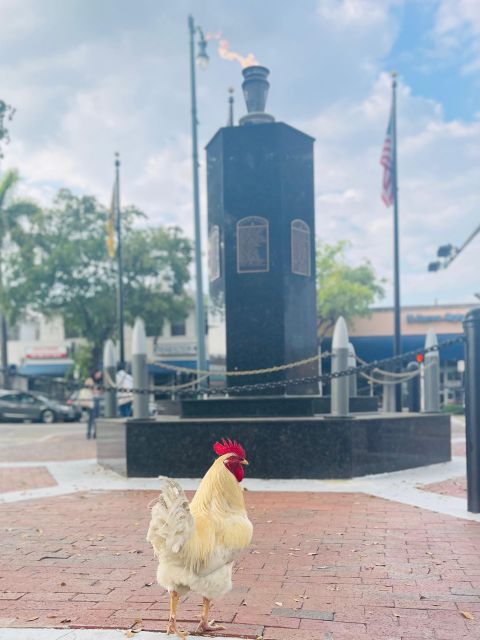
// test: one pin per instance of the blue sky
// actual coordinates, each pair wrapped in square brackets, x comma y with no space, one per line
[91,77]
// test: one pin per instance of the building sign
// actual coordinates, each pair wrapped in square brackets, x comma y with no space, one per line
[175,349]
[214,253]
[300,248]
[46,353]
[252,245]
[419,318]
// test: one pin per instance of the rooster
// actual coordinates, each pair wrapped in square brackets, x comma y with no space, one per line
[196,543]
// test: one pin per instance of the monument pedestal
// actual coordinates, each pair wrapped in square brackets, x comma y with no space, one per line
[303,447]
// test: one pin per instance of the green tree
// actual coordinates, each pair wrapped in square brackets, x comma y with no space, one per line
[343,290]
[6,113]
[62,268]
[13,214]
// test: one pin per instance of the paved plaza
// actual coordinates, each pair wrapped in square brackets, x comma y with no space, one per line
[390,557]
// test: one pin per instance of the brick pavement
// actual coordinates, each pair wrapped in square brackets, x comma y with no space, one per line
[20,478]
[322,566]
[456,487]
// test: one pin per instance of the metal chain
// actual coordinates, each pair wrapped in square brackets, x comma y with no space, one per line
[266,386]
[247,372]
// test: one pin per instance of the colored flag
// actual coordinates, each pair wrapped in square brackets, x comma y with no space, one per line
[386,161]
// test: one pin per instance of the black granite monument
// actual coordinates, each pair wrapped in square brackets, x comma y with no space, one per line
[261,227]
[262,313]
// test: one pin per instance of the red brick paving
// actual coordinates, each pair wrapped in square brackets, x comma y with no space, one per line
[380,569]
[22,478]
[456,487]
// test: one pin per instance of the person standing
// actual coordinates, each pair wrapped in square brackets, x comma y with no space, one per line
[85,400]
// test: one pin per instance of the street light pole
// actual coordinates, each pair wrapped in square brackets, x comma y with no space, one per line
[200,311]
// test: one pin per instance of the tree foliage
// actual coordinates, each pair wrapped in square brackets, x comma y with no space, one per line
[343,290]
[14,214]
[6,113]
[62,268]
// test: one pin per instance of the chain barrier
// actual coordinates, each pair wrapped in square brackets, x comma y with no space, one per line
[266,386]
[246,372]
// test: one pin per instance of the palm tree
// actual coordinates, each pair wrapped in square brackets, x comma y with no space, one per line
[12,213]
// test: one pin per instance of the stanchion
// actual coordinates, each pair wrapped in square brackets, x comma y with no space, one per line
[352,380]
[471,326]
[340,385]
[110,369]
[431,383]
[413,386]
[139,369]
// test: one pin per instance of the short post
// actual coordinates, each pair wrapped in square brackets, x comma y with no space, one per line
[388,400]
[340,400]
[471,325]
[352,380]
[109,373]
[139,369]
[413,386]
[320,383]
[431,384]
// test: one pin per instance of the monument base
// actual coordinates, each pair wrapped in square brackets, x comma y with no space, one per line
[317,447]
[269,406]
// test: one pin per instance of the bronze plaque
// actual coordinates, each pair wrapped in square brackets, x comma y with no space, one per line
[214,253]
[252,245]
[301,252]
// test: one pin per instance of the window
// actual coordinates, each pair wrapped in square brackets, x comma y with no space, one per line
[178,329]
[11,397]
[300,243]
[252,245]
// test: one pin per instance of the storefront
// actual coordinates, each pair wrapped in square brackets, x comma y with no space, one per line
[372,339]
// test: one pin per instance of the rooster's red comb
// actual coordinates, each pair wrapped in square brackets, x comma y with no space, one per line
[227,446]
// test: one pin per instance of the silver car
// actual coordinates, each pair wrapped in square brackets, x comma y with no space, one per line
[23,405]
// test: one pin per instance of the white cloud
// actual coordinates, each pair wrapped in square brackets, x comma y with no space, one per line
[457,26]
[438,188]
[354,13]
[17,21]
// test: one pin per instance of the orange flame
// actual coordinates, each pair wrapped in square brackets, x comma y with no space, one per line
[226,53]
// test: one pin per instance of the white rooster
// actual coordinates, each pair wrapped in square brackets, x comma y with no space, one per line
[196,543]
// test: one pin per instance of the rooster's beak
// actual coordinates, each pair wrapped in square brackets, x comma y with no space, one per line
[244,462]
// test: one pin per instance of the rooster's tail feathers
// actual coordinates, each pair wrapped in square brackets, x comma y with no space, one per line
[171,524]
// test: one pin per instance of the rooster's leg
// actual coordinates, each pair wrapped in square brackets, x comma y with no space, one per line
[172,622]
[204,624]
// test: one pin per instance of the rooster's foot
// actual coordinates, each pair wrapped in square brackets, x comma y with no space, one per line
[172,628]
[204,626]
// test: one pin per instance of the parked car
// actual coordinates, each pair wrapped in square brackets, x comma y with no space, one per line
[23,405]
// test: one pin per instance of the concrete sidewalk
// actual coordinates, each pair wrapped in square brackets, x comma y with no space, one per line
[337,562]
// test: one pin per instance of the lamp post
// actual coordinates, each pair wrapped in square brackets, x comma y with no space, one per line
[202,59]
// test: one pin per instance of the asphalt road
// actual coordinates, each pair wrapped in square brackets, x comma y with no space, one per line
[36,441]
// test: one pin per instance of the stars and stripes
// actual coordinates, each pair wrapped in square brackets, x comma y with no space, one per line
[386,160]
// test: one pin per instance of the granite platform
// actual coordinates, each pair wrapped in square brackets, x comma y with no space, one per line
[318,447]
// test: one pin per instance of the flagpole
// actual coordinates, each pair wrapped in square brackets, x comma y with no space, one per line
[397,340]
[120,299]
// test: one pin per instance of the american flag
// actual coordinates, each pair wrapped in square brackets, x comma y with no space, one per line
[386,161]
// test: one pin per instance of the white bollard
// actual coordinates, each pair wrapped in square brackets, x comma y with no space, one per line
[388,401]
[431,383]
[320,383]
[340,400]
[139,369]
[109,369]
[352,380]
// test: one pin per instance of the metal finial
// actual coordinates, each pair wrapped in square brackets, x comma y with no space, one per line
[117,159]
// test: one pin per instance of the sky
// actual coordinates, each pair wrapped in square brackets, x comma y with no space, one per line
[91,77]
